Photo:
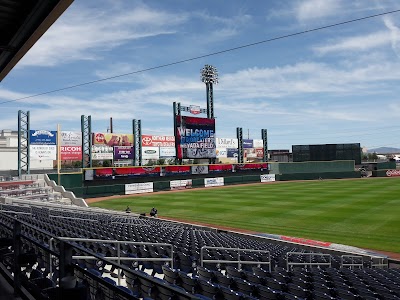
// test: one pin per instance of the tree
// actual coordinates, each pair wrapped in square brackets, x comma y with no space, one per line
[106,163]
[161,161]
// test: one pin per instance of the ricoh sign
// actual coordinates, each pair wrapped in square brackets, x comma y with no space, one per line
[71,152]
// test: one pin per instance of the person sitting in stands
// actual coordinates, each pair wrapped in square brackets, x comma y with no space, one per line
[128,209]
[153,212]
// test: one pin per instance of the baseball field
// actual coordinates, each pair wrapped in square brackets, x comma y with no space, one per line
[359,212]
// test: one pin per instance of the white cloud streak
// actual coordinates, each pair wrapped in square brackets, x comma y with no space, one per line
[316,9]
[83,34]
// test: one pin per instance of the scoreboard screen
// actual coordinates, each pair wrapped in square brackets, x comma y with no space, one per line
[327,152]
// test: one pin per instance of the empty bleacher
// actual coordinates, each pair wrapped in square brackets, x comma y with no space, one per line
[110,255]
[30,188]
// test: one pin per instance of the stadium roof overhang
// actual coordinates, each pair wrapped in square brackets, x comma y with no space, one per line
[22,23]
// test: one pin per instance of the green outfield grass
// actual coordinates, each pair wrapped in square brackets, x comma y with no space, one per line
[362,212]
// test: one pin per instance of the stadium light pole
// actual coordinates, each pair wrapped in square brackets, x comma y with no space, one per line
[209,75]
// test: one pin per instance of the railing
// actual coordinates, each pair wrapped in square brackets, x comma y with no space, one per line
[379,262]
[355,261]
[65,260]
[238,261]
[118,258]
[310,263]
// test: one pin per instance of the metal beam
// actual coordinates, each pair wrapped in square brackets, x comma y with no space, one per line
[86,128]
[23,143]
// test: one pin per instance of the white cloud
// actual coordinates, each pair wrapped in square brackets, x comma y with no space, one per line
[356,43]
[394,34]
[308,78]
[316,9]
[83,33]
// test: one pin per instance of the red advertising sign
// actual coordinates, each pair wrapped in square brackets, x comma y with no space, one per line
[392,173]
[138,171]
[255,166]
[158,141]
[220,168]
[259,152]
[177,170]
[113,173]
[112,139]
[71,152]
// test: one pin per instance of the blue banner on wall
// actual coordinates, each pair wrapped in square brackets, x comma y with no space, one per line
[232,152]
[247,143]
[42,137]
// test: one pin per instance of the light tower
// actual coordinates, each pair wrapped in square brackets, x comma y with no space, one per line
[209,75]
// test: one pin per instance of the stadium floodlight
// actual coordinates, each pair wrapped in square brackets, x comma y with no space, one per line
[209,75]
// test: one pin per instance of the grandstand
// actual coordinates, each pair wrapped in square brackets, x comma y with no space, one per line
[35,187]
[51,250]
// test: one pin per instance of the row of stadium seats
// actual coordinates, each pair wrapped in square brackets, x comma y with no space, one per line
[159,271]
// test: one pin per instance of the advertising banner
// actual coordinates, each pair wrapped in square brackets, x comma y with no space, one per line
[176,170]
[112,139]
[150,153]
[217,181]
[71,152]
[138,171]
[42,137]
[267,177]
[258,143]
[392,173]
[89,175]
[247,143]
[43,152]
[220,168]
[260,152]
[166,152]
[158,141]
[250,167]
[138,188]
[181,184]
[232,152]
[199,169]
[102,152]
[71,145]
[195,137]
[123,152]
[71,138]
[221,152]
[227,143]
[115,173]
[249,153]
[105,173]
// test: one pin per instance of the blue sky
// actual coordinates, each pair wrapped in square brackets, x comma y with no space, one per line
[336,85]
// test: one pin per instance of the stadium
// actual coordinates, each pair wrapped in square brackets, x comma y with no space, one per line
[231,223]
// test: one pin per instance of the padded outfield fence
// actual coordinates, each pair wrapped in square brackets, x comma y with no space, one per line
[98,182]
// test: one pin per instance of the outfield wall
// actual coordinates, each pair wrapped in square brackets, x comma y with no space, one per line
[312,167]
[153,180]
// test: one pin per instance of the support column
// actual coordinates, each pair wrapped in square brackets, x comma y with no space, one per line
[239,135]
[86,128]
[23,143]
[264,136]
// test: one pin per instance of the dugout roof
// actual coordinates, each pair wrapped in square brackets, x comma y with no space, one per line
[22,23]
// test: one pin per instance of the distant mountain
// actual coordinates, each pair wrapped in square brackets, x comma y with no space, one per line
[384,150]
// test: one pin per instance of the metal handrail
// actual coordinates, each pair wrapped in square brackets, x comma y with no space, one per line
[381,262]
[352,263]
[310,255]
[238,261]
[73,218]
[118,258]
